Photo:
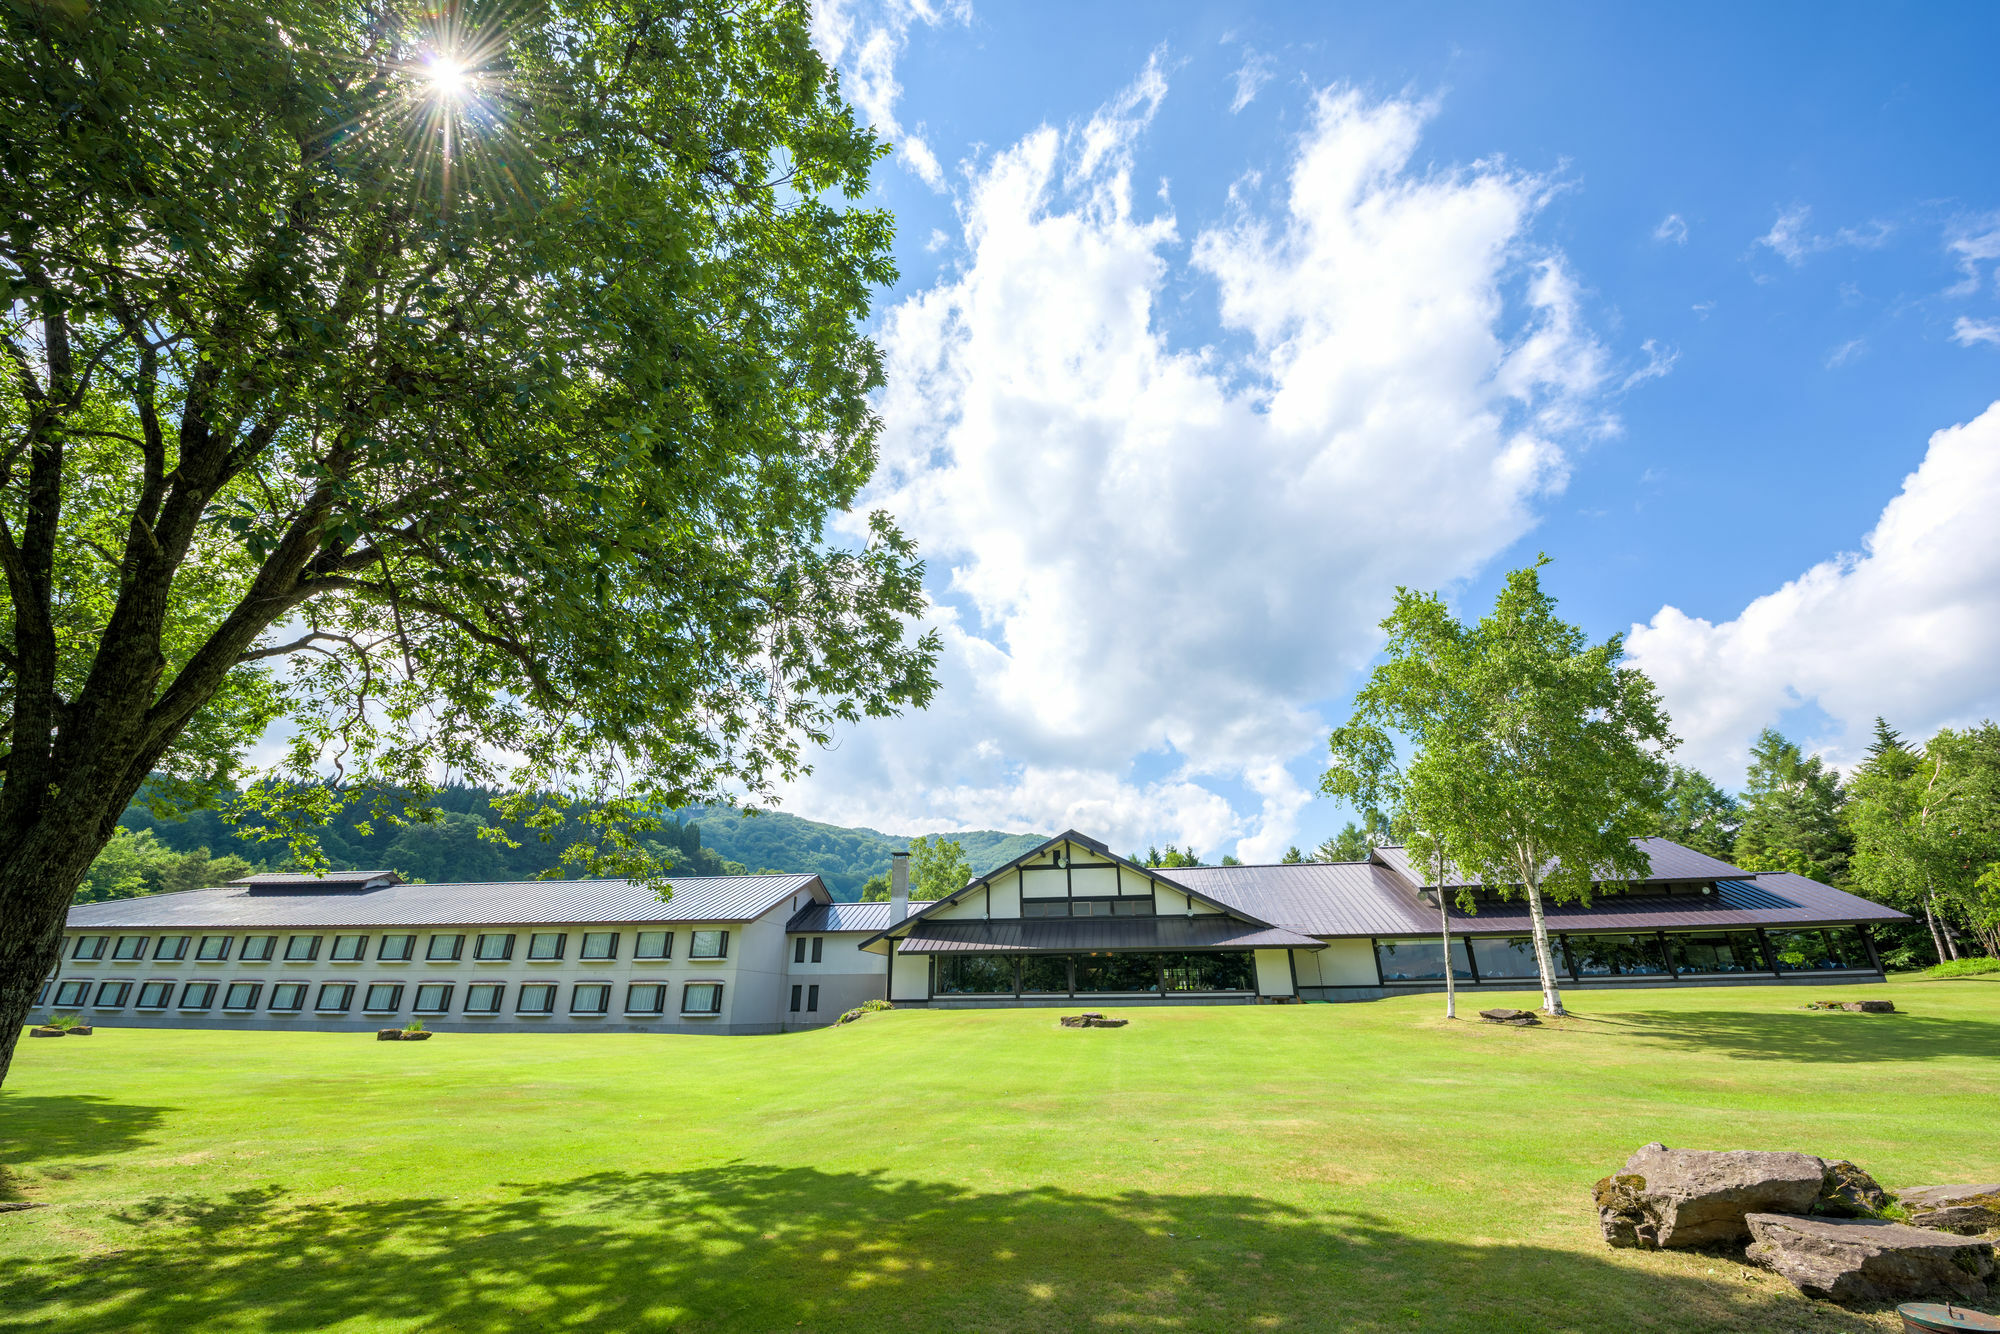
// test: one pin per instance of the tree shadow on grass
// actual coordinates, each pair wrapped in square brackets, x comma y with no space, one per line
[752,1247]
[76,1126]
[1814,1035]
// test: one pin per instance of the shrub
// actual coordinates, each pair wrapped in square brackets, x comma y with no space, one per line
[414,1026]
[66,1021]
[1963,968]
[866,1007]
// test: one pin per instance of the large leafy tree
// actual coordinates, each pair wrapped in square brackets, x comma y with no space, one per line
[1513,751]
[1792,812]
[1698,814]
[1926,830]
[470,386]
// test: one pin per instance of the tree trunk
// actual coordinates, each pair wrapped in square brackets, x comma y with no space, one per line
[1444,925]
[1544,960]
[1939,927]
[40,870]
[1930,920]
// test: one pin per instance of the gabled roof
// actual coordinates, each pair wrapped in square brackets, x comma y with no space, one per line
[1317,898]
[1083,841]
[831,917]
[496,903]
[1670,861]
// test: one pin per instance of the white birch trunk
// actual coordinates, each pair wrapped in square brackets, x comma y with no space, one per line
[1450,973]
[1544,960]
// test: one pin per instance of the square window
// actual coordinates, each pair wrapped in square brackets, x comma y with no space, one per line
[335,997]
[819,943]
[709,945]
[90,947]
[484,997]
[155,995]
[129,948]
[444,948]
[382,997]
[536,998]
[812,999]
[72,993]
[213,949]
[171,948]
[286,996]
[799,953]
[396,949]
[111,995]
[646,998]
[243,995]
[590,998]
[600,945]
[654,945]
[495,946]
[545,945]
[797,991]
[197,995]
[302,949]
[701,998]
[349,949]
[258,949]
[434,998]
[42,996]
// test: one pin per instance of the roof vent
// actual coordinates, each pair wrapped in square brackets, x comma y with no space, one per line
[305,882]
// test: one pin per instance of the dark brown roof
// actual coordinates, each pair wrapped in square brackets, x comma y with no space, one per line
[1029,934]
[1670,861]
[1316,898]
[1774,900]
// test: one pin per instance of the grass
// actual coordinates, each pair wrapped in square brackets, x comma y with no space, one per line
[1356,1167]
[1955,968]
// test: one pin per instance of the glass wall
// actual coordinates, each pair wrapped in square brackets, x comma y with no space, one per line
[1117,972]
[1060,974]
[978,974]
[1505,957]
[1827,947]
[1617,956]
[1210,972]
[1718,952]
[1421,960]
[1044,973]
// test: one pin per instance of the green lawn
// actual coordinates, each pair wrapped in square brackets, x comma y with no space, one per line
[1286,1168]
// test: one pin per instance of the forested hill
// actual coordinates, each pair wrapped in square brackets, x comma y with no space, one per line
[701,840]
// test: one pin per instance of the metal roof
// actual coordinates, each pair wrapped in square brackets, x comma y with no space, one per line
[1027,934]
[847,916]
[500,903]
[332,882]
[1670,861]
[1316,898]
[1774,900]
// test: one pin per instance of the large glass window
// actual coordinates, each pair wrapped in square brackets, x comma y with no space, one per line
[111,995]
[73,993]
[1504,956]
[959,974]
[709,945]
[590,998]
[1616,956]
[654,945]
[301,949]
[544,945]
[348,949]
[445,948]
[130,947]
[382,998]
[89,947]
[171,948]
[197,995]
[335,996]
[650,998]
[396,949]
[1846,946]
[156,995]
[485,997]
[433,998]
[1818,948]
[1718,952]
[213,949]
[243,995]
[287,996]
[493,945]
[1234,971]
[1045,973]
[258,949]
[536,998]
[599,945]
[1117,972]
[1421,960]
[701,998]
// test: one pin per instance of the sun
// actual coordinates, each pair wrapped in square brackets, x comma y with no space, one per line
[448,78]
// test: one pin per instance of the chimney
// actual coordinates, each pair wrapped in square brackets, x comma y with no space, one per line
[899,886]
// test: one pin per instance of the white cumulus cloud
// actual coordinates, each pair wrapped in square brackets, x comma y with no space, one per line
[1908,628]
[1967,332]
[863,41]
[1150,558]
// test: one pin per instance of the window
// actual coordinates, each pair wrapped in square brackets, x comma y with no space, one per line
[197,995]
[129,948]
[258,949]
[654,945]
[812,998]
[72,993]
[243,995]
[797,992]
[90,947]
[701,997]
[302,949]
[1505,956]
[599,945]
[1117,972]
[1421,960]
[1044,907]
[543,945]
[799,953]
[484,997]
[434,998]
[444,948]
[590,998]
[961,974]
[42,996]
[536,998]
[396,949]
[172,949]
[1616,956]
[1045,973]
[1808,951]
[288,997]
[1235,971]
[1847,947]
[213,949]
[111,995]
[349,949]
[493,947]
[647,998]
[156,995]
[1717,952]
[709,945]
[1126,907]
[382,997]
[335,996]
[819,944]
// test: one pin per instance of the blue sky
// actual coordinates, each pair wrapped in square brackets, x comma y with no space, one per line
[1217,322]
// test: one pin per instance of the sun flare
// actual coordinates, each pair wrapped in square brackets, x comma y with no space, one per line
[448,78]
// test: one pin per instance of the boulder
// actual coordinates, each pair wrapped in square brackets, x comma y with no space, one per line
[421,1035]
[1870,1259]
[1683,1198]
[46,1031]
[1518,1018]
[1966,1209]
[1870,1006]
[81,1031]
[1091,1019]
[1848,1192]
[388,1035]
